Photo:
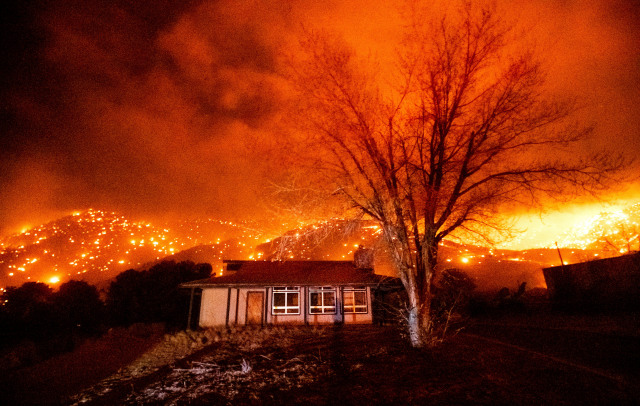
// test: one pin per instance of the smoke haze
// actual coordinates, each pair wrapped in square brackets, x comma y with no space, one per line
[158,107]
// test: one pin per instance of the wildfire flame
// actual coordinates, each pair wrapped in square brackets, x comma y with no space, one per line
[613,232]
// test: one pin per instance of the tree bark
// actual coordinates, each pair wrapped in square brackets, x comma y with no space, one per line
[420,326]
[420,323]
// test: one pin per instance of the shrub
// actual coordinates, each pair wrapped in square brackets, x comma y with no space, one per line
[78,307]
[153,295]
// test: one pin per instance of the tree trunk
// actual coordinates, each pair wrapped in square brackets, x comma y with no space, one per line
[420,325]
[422,331]
[416,273]
[416,336]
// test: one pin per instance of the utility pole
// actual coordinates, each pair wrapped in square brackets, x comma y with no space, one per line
[560,255]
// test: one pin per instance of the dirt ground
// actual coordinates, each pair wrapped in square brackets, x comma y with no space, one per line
[491,362]
[54,380]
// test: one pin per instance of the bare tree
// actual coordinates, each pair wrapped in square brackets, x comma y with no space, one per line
[465,130]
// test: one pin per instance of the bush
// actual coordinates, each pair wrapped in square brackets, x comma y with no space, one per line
[37,323]
[153,295]
[78,307]
[511,301]
[453,291]
[28,312]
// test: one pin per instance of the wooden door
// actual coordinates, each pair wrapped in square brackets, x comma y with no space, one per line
[255,307]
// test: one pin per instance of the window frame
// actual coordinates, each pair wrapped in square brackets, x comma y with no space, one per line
[286,291]
[355,309]
[324,309]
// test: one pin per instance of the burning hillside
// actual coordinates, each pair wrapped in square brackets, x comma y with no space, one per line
[96,245]
[613,232]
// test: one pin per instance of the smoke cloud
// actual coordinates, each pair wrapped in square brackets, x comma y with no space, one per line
[160,107]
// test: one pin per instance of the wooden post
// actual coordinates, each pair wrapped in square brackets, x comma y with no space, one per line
[340,308]
[304,299]
[237,299]
[226,321]
[266,307]
[190,309]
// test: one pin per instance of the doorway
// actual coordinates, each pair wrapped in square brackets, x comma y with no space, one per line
[255,308]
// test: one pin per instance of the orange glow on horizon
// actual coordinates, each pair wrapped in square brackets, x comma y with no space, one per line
[576,226]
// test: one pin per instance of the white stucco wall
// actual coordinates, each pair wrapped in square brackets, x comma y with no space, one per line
[213,307]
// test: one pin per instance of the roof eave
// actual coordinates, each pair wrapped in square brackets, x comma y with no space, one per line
[279,283]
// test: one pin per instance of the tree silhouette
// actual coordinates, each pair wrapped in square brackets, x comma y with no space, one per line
[28,310]
[125,297]
[464,130]
[153,295]
[78,306]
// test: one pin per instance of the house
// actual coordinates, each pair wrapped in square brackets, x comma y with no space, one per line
[610,283]
[291,292]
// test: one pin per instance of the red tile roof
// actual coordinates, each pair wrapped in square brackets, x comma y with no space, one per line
[293,273]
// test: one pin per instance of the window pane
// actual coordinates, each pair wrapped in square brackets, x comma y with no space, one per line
[278,299]
[329,299]
[355,301]
[314,299]
[292,299]
[348,299]
[277,311]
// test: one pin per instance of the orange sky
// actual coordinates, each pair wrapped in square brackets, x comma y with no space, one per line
[154,107]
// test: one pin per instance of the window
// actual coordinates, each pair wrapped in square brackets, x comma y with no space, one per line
[322,300]
[355,300]
[286,300]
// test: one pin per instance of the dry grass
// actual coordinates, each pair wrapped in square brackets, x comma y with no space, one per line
[357,365]
[221,368]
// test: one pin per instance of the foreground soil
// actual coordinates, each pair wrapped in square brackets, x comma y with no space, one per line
[54,380]
[491,363]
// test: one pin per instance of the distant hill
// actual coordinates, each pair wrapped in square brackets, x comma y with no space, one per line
[95,246]
[492,269]
[210,254]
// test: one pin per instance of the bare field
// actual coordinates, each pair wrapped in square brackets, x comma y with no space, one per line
[491,362]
